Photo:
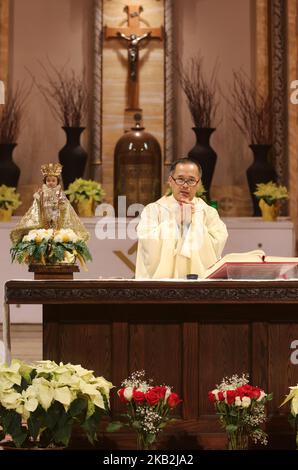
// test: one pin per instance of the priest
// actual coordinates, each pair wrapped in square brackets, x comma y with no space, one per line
[179,234]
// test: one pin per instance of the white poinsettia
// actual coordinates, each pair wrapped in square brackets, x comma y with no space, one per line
[44,392]
[92,391]
[293,396]
[46,367]
[68,379]
[79,370]
[30,398]
[10,399]
[10,375]
[64,395]
[45,388]
[65,235]
[104,386]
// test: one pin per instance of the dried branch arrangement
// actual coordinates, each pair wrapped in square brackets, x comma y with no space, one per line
[66,94]
[12,113]
[201,93]
[250,111]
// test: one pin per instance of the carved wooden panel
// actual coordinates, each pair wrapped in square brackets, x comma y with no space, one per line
[189,346]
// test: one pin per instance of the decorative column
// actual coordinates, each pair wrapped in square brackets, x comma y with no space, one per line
[292,43]
[262,46]
[279,86]
[96,160]
[169,87]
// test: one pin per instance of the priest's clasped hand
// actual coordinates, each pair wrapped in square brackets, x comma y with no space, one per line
[187,208]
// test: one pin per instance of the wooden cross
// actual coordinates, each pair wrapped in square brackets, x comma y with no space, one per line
[133,34]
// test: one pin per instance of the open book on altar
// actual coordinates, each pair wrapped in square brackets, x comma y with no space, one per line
[253,265]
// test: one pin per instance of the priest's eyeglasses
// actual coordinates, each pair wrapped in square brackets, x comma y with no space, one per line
[182,181]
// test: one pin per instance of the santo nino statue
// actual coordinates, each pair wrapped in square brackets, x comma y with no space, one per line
[50,208]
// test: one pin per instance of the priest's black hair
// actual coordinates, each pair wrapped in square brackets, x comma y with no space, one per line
[184,161]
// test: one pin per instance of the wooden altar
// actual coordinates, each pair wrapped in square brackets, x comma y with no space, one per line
[186,334]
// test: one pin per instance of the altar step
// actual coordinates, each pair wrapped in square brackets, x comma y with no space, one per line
[26,341]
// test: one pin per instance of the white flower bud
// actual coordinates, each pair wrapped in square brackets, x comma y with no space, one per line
[128,393]
[246,401]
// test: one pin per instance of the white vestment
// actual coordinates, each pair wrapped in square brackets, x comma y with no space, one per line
[169,249]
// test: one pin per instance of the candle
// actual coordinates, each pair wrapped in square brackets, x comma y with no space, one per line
[2,93]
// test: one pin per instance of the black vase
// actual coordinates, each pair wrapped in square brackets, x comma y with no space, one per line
[260,171]
[9,171]
[72,156]
[203,154]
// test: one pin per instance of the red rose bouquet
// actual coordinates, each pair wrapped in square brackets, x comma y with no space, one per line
[148,408]
[241,409]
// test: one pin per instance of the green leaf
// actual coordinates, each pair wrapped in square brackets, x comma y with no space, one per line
[11,422]
[20,436]
[77,407]
[63,432]
[114,426]
[33,425]
[54,415]
[91,424]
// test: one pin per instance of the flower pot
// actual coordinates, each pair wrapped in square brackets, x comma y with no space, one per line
[9,171]
[269,213]
[85,208]
[5,215]
[204,154]
[260,171]
[72,156]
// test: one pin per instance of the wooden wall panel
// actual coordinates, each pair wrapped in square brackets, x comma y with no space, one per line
[224,350]
[260,355]
[94,340]
[157,348]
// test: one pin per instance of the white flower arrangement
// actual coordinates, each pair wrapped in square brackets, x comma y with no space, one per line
[40,402]
[47,246]
[38,235]
[65,236]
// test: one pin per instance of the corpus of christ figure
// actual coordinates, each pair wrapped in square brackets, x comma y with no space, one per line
[133,34]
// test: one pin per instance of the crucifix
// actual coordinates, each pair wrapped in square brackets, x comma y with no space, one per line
[133,34]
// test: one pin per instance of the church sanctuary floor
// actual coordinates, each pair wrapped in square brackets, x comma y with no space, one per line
[26,341]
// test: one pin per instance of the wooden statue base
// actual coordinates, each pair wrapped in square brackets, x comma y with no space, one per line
[53,271]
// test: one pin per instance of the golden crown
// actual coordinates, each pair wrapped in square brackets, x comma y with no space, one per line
[51,169]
